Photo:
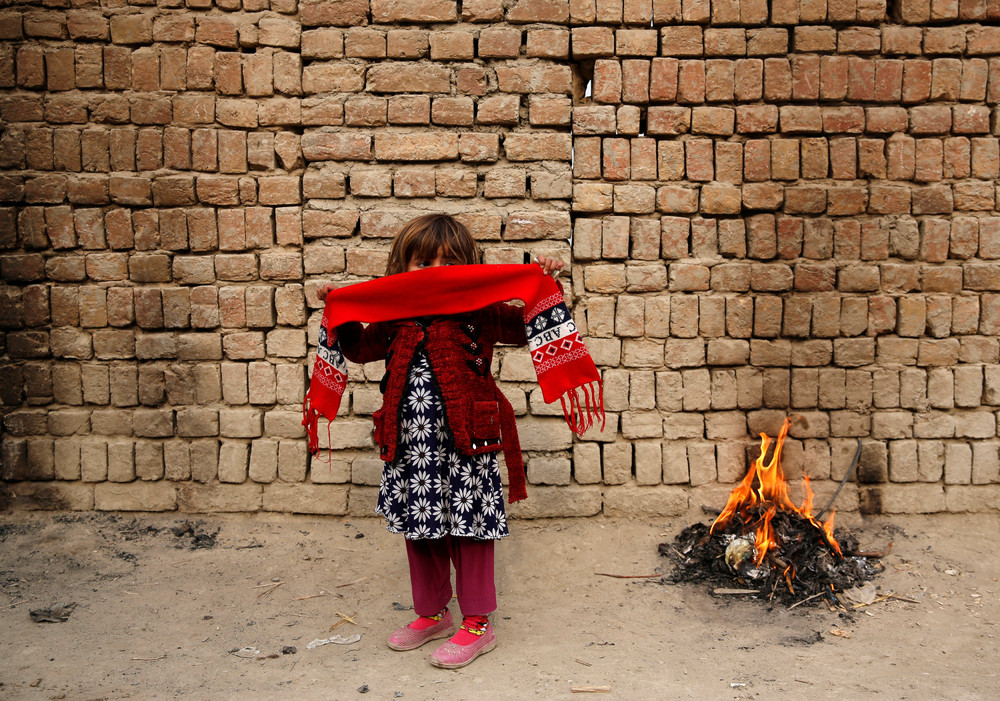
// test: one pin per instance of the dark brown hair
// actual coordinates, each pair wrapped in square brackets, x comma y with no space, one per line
[421,237]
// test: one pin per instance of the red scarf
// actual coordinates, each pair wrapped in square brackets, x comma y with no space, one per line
[564,367]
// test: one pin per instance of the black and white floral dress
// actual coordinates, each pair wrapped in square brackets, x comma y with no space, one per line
[430,490]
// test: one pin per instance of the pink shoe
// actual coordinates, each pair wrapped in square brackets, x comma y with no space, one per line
[408,638]
[475,637]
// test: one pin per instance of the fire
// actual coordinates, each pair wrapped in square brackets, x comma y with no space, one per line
[762,493]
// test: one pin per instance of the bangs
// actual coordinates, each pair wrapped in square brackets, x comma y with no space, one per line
[422,237]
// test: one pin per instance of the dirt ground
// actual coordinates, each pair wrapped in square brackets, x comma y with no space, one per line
[165,614]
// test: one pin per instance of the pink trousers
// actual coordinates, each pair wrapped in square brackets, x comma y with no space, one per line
[430,574]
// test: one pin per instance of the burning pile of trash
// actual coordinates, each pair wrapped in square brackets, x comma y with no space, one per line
[768,546]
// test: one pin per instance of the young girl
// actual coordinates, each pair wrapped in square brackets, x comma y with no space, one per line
[442,422]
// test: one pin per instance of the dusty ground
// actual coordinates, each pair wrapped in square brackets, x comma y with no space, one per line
[156,618]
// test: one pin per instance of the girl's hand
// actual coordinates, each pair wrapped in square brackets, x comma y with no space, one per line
[323,291]
[551,266]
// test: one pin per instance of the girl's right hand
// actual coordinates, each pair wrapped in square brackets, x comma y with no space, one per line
[323,291]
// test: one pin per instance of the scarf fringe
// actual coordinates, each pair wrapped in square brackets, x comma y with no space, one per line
[581,417]
[310,419]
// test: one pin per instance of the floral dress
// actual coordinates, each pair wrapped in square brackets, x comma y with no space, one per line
[430,490]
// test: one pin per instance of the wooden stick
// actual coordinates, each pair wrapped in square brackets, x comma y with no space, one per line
[877,600]
[269,584]
[351,584]
[628,576]
[585,664]
[268,591]
[148,659]
[590,689]
[734,592]
[312,596]
[902,598]
[808,598]
[875,553]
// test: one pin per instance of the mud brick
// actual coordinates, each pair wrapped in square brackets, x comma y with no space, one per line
[814,158]
[177,148]
[729,162]
[479,148]
[668,121]
[777,79]
[151,111]
[963,315]
[418,147]
[361,42]
[607,81]
[502,43]
[716,121]
[815,39]
[663,79]
[59,69]
[200,64]
[972,196]
[683,40]
[365,111]
[975,76]
[325,146]
[550,111]
[939,316]
[871,158]
[635,81]
[933,200]
[801,120]
[806,78]
[720,199]
[149,149]
[784,159]
[550,43]
[635,42]
[964,240]
[725,42]
[970,119]
[132,29]
[677,200]
[757,160]
[984,157]
[41,189]
[455,45]
[121,144]
[916,81]
[691,82]
[145,70]
[901,40]
[900,278]
[859,40]
[699,160]
[946,79]
[217,31]
[415,109]
[900,157]
[704,238]
[536,225]
[888,199]
[452,111]
[342,77]
[888,80]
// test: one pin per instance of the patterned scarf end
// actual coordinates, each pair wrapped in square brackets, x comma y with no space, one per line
[580,416]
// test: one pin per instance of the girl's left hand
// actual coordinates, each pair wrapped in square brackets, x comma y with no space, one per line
[549,265]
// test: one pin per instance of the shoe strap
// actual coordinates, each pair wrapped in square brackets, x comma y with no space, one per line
[475,624]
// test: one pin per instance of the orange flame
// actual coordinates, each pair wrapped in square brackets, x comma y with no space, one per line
[770,493]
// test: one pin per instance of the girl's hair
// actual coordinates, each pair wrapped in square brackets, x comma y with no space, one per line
[421,237]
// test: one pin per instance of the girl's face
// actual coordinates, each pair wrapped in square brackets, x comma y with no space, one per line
[440,258]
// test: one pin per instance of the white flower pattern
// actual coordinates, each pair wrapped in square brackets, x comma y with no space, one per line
[431,490]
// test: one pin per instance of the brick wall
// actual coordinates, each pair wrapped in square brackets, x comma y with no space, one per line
[770,208]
